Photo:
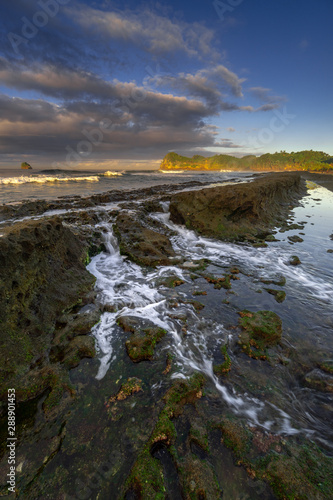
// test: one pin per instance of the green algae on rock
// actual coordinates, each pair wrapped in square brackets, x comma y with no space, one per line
[261,329]
[42,274]
[146,478]
[279,295]
[131,386]
[294,260]
[238,212]
[141,345]
[224,367]
[293,470]
[141,244]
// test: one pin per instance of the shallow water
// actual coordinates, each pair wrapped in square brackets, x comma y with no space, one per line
[270,396]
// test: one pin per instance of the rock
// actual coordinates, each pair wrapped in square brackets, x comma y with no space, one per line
[295,239]
[26,166]
[143,340]
[240,211]
[141,244]
[280,281]
[330,250]
[319,380]
[131,386]
[260,330]
[42,273]
[294,260]
[279,295]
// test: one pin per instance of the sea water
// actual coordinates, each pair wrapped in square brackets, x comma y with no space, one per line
[17,185]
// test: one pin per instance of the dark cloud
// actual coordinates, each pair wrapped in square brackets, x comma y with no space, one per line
[14,109]
[70,65]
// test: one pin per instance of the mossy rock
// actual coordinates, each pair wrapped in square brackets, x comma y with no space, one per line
[279,295]
[294,260]
[146,479]
[142,343]
[224,367]
[261,329]
[131,386]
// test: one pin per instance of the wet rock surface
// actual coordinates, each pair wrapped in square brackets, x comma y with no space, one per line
[141,244]
[42,275]
[238,212]
[147,430]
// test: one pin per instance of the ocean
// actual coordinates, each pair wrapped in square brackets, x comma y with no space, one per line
[17,185]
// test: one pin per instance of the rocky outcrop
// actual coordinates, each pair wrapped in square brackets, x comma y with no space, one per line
[141,244]
[42,279]
[26,166]
[241,211]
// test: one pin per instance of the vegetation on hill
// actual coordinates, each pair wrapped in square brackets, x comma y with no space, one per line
[315,161]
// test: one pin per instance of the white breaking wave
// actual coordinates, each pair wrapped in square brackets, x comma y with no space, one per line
[172,171]
[42,179]
[110,173]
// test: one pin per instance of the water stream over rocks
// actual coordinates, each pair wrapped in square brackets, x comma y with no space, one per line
[195,416]
[291,408]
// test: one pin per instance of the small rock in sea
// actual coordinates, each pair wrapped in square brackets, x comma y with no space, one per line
[294,260]
[330,250]
[295,239]
[26,166]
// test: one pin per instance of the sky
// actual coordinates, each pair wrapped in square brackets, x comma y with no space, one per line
[108,84]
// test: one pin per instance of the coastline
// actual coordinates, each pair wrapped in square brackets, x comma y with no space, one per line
[161,290]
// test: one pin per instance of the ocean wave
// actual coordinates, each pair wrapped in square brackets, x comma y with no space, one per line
[41,179]
[172,171]
[110,173]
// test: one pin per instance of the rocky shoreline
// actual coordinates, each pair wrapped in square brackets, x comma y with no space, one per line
[73,429]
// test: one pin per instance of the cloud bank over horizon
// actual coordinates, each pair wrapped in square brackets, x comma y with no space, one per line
[84,85]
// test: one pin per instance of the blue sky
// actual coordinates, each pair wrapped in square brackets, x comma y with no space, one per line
[119,84]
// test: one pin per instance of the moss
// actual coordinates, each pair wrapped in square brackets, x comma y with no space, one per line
[146,477]
[327,366]
[223,282]
[131,386]
[279,295]
[198,435]
[260,330]
[293,470]
[168,364]
[281,281]
[172,281]
[141,345]
[198,306]
[235,436]
[294,260]
[225,367]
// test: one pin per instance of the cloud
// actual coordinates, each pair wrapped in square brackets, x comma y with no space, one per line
[14,109]
[270,101]
[88,66]
[147,30]
[231,129]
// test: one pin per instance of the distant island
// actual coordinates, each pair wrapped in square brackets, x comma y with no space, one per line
[313,161]
[26,166]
